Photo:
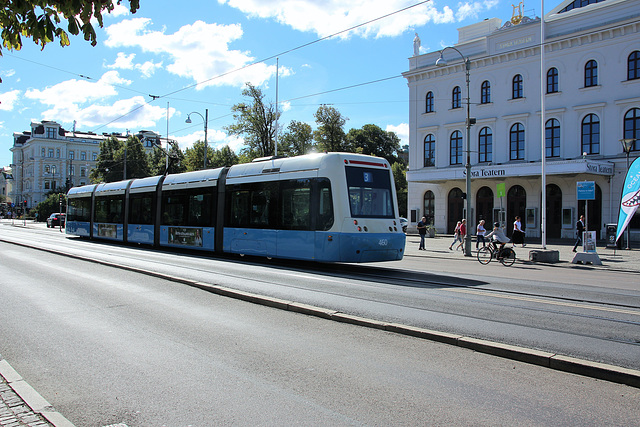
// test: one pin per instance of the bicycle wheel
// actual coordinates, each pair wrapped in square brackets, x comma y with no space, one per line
[485,255]
[508,257]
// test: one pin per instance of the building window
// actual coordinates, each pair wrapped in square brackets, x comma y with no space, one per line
[633,66]
[50,152]
[485,92]
[71,155]
[591,74]
[47,168]
[455,152]
[83,155]
[83,172]
[516,87]
[516,142]
[552,80]
[94,156]
[552,138]
[54,169]
[485,145]
[579,3]
[456,97]
[57,153]
[429,150]
[591,134]
[429,206]
[72,170]
[47,185]
[429,103]
[51,133]
[42,152]
[632,127]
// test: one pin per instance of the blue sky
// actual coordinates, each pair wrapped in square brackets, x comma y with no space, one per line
[186,54]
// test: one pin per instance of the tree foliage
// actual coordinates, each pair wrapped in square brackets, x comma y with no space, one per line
[110,166]
[158,161]
[41,20]
[374,141]
[298,139]
[254,122]
[50,205]
[330,134]
[194,156]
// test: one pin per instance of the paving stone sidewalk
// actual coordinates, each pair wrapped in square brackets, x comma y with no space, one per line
[14,412]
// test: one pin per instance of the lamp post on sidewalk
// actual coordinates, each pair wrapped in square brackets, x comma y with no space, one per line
[441,62]
[206,120]
[627,145]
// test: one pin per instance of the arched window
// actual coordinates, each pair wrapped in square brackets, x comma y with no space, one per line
[516,142]
[47,168]
[552,138]
[633,66]
[429,206]
[552,80]
[456,97]
[429,103]
[591,73]
[485,92]
[455,151]
[632,127]
[54,169]
[591,134]
[516,87]
[429,150]
[485,145]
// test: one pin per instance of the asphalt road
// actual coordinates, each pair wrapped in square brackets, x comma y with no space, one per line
[108,346]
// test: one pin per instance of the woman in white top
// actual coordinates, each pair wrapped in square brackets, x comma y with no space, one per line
[518,234]
[480,232]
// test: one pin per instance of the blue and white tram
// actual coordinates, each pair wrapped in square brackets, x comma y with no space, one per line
[334,207]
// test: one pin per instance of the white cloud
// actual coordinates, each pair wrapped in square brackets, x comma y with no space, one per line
[215,139]
[8,100]
[474,9]
[199,51]
[330,16]
[125,62]
[402,131]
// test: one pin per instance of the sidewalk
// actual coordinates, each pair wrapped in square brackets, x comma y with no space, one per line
[612,259]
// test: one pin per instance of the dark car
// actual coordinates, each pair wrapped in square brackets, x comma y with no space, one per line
[56,219]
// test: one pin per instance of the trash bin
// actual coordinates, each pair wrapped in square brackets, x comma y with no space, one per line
[611,237]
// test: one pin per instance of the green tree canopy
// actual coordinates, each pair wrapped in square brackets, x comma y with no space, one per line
[41,20]
[158,161]
[255,122]
[374,141]
[110,166]
[194,156]
[400,177]
[224,157]
[298,139]
[330,134]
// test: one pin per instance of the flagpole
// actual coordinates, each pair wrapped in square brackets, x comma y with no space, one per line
[543,208]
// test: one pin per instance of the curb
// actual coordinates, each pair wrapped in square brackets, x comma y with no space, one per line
[30,397]
[602,371]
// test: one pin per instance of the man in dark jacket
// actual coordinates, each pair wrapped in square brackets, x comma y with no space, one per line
[579,231]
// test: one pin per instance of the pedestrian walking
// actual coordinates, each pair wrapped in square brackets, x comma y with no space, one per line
[579,230]
[480,232]
[422,231]
[456,235]
[463,233]
[518,234]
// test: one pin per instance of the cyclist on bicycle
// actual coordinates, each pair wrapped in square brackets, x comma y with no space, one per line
[498,236]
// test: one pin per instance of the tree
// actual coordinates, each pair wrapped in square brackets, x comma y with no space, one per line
[400,177]
[374,141]
[158,161]
[330,134]
[114,154]
[255,123]
[40,19]
[194,157]
[50,205]
[298,139]
[224,157]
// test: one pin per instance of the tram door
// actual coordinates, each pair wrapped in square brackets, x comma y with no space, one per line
[455,209]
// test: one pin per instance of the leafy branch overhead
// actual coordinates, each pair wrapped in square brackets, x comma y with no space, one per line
[42,20]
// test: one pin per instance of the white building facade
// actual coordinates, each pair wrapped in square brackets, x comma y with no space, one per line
[48,157]
[590,78]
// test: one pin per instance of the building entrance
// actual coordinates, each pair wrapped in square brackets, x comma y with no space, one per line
[455,209]
[516,204]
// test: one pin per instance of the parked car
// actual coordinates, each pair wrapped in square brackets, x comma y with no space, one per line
[404,223]
[56,219]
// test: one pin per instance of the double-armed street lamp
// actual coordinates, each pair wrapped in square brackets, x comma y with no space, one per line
[206,120]
[441,62]
[627,146]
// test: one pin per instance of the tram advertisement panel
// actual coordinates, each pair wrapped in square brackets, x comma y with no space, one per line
[108,230]
[185,236]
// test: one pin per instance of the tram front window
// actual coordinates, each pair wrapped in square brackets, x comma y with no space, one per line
[370,194]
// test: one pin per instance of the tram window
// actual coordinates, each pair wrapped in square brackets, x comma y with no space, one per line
[79,209]
[239,212]
[200,209]
[325,208]
[260,204]
[296,205]
[370,193]
[191,208]
[140,209]
[173,208]
[109,209]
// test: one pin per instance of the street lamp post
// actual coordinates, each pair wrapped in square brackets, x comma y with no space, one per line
[441,62]
[627,145]
[206,120]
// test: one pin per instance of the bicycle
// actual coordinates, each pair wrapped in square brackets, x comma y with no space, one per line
[507,256]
